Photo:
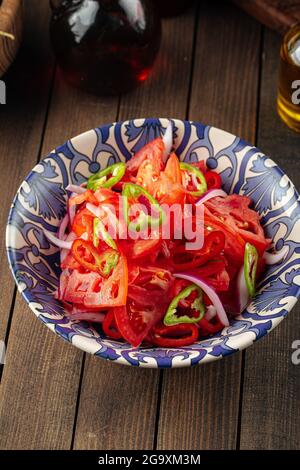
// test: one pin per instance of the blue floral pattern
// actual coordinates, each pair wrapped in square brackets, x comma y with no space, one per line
[40,204]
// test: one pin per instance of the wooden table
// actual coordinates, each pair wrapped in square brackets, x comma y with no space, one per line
[218,66]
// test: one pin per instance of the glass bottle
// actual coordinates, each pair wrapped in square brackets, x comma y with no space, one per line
[106,47]
[288,99]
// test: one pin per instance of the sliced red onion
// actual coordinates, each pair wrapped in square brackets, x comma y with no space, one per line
[274,258]
[63,226]
[210,194]
[210,313]
[168,141]
[95,210]
[243,294]
[64,252]
[75,189]
[72,210]
[211,294]
[87,316]
[56,241]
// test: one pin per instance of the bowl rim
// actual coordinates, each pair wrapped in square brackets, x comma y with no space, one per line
[121,360]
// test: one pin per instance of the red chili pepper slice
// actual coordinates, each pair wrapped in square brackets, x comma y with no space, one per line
[213,245]
[213,180]
[85,253]
[174,336]
[208,328]
[109,326]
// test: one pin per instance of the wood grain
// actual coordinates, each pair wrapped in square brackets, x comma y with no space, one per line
[22,120]
[117,404]
[11,21]
[39,388]
[199,406]
[271,406]
[279,15]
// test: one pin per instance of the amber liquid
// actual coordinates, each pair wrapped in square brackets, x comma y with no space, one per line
[289,72]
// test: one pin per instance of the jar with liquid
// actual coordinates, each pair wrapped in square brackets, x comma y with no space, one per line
[106,47]
[288,100]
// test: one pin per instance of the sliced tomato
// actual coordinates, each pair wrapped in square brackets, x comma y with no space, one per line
[78,284]
[70,262]
[107,196]
[111,291]
[143,248]
[151,153]
[235,213]
[87,196]
[234,243]
[94,291]
[148,299]
[172,169]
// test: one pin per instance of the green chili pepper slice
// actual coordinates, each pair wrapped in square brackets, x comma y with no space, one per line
[172,319]
[108,261]
[99,231]
[250,267]
[133,192]
[200,178]
[108,177]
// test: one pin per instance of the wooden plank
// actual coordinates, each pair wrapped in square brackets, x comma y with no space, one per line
[199,407]
[271,401]
[41,377]
[118,405]
[22,120]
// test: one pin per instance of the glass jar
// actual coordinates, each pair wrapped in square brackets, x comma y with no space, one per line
[288,99]
[106,47]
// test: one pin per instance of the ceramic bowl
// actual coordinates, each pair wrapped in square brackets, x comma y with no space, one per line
[40,203]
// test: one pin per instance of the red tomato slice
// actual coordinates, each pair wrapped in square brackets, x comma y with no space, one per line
[150,154]
[111,291]
[234,243]
[87,196]
[143,248]
[94,291]
[172,169]
[234,213]
[147,302]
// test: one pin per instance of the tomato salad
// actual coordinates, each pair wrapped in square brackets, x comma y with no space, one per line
[155,289]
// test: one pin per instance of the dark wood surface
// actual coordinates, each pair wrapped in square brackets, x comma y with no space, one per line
[219,70]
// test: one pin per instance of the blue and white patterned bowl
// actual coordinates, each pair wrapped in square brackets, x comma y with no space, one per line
[40,203]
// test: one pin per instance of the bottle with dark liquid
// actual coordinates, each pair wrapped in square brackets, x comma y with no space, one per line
[106,47]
